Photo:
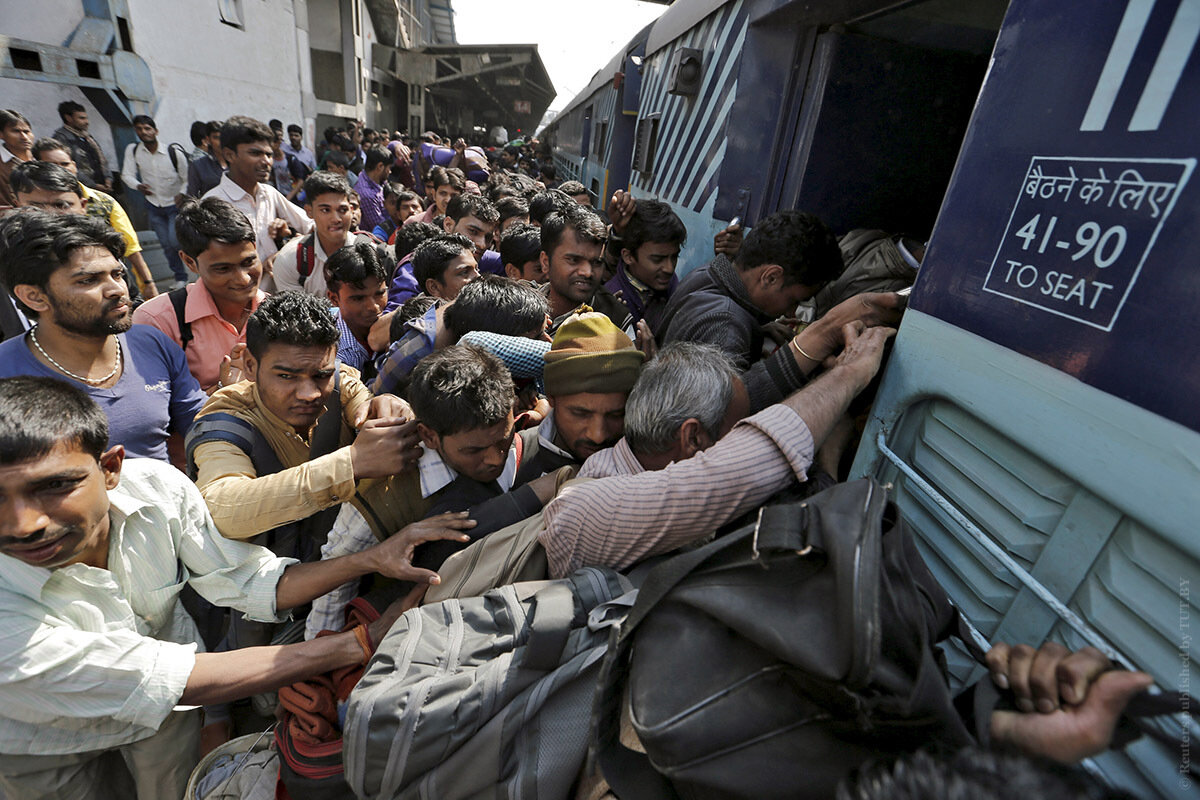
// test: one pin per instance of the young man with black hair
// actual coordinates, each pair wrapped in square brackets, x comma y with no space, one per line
[649,244]
[160,173]
[572,244]
[370,186]
[513,210]
[246,147]
[475,217]
[338,163]
[521,252]
[577,192]
[398,204]
[356,277]
[102,660]
[300,265]
[17,138]
[65,273]
[53,188]
[207,165]
[785,259]
[294,145]
[443,186]
[85,151]
[208,317]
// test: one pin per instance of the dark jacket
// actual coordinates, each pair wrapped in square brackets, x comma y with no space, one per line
[711,305]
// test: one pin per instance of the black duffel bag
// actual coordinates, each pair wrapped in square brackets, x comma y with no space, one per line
[775,660]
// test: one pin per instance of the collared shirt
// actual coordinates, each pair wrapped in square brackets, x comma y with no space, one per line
[370,196]
[245,504]
[96,658]
[107,208]
[305,156]
[212,335]
[265,205]
[428,215]
[404,353]
[403,286]
[642,301]
[287,267]
[156,171]
[630,513]
[350,350]
[436,474]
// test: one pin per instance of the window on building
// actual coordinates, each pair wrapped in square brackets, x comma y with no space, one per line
[231,13]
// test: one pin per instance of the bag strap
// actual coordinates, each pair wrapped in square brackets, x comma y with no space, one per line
[179,303]
[552,611]
[328,432]
[224,427]
[306,257]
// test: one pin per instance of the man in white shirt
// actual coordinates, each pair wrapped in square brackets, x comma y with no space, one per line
[160,173]
[295,146]
[96,654]
[246,145]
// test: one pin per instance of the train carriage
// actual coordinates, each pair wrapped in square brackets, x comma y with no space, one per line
[1038,419]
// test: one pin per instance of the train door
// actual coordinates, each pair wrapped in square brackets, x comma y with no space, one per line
[1039,416]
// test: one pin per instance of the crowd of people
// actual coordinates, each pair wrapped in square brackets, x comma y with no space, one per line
[372,356]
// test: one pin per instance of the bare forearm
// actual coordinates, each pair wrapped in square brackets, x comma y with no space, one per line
[822,403]
[301,583]
[222,677]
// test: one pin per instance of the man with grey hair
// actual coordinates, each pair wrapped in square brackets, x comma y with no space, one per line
[658,490]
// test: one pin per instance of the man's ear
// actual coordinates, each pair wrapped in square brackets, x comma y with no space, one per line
[83,201]
[249,366]
[189,262]
[434,288]
[511,271]
[110,464]
[34,297]
[545,259]
[308,210]
[428,437]
[448,224]
[771,276]
[692,438]
[627,256]
[333,298]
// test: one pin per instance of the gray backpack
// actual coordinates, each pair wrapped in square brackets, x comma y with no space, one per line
[486,696]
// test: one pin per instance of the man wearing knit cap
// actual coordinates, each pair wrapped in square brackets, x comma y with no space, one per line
[590,369]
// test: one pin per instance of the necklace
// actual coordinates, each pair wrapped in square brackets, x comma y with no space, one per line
[65,371]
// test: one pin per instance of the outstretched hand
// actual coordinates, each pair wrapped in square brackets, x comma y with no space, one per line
[620,210]
[728,241]
[393,556]
[1068,702]
[862,351]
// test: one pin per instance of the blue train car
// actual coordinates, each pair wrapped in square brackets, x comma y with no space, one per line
[1039,418]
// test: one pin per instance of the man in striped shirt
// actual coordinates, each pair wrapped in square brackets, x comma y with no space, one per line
[96,653]
[687,465]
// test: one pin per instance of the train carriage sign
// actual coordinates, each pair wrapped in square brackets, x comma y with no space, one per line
[1068,232]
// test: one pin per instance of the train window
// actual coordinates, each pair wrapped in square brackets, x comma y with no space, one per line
[647,141]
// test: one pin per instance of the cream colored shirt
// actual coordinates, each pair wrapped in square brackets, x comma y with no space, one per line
[96,658]
[260,208]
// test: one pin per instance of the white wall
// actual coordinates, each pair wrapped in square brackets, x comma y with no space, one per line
[205,69]
[39,100]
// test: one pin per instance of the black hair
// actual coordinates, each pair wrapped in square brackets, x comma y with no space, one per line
[36,414]
[433,255]
[238,130]
[653,221]
[275,124]
[201,222]
[396,189]
[497,304]
[976,773]
[342,142]
[549,170]
[337,157]
[329,133]
[512,206]
[10,117]
[294,128]
[68,107]
[799,242]
[585,223]
[472,205]
[460,388]
[33,244]
[292,318]
[354,264]
[520,244]
[29,176]
[325,182]
[198,132]
[452,177]
[545,203]
[144,119]
[47,145]
[572,188]
[410,235]
[376,155]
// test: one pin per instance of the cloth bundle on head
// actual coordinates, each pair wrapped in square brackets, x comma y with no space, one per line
[590,354]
